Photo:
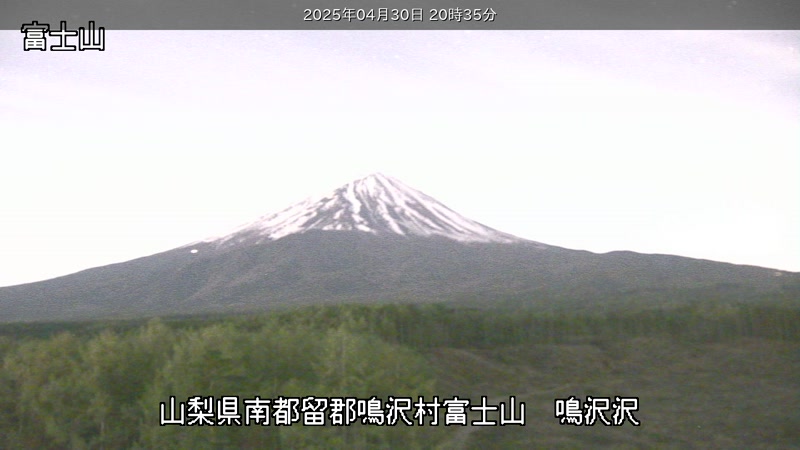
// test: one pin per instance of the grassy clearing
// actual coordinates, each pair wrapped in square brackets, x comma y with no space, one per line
[738,394]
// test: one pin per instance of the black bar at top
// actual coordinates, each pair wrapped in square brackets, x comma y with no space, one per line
[510,14]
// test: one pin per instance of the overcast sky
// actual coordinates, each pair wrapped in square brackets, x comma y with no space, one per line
[673,142]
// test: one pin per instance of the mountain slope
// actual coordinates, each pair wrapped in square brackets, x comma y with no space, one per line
[398,245]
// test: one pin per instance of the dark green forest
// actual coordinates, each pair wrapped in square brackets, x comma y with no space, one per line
[99,385]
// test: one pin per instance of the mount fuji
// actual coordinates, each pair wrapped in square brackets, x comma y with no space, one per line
[377,240]
[377,204]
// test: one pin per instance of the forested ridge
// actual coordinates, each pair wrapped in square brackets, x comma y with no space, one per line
[100,384]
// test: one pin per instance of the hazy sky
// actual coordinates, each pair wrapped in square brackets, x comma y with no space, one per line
[671,142]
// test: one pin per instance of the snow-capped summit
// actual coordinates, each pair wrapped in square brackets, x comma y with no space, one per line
[374,204]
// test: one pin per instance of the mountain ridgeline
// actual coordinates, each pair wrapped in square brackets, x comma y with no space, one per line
[378,240]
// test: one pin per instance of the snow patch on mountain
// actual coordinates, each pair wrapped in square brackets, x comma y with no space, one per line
[375,204]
